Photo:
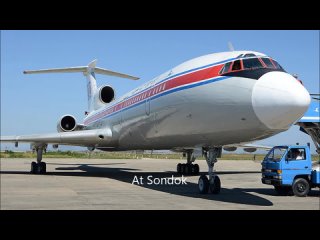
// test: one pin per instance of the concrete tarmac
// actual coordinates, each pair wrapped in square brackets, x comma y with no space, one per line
[107,184]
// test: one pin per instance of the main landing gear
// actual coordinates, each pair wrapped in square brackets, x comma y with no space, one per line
[188,168]
[213,183]
[39,167]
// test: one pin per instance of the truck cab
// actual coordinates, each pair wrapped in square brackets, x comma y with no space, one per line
[289,168]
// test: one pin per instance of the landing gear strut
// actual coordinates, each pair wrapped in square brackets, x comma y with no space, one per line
[39,167]
[213,183]
[188,168]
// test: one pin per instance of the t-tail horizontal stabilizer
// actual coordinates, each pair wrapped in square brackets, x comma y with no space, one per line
[85,69]
[89,71]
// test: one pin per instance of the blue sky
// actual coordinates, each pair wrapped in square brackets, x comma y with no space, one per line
[34,103]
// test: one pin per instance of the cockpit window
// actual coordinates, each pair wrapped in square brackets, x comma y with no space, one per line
[226,67]
[277,65]
[252,63]
[236,65]
[244,66]
[267,62]
[249,55]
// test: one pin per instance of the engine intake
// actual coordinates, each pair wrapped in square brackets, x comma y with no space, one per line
[106,94]
[67,123]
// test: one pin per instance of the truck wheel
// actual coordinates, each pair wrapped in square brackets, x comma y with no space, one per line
[300,187]
[282,191]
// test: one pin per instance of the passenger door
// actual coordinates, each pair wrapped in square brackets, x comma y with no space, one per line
[147,106]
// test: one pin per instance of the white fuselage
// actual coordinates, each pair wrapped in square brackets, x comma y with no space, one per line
[193,105]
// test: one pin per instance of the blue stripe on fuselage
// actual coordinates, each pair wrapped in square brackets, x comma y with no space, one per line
[208,81]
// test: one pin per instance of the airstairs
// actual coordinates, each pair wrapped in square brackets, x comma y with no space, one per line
[310,124]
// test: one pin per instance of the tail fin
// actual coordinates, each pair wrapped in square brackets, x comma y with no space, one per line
[89,71]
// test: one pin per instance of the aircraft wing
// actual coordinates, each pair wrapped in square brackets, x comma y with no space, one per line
[246,147]
[94,137]
[232,147]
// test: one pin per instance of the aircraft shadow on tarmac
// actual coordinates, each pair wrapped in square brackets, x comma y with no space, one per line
[234,195]
[190,190]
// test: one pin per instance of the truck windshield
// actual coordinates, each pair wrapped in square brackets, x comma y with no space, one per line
[275,154]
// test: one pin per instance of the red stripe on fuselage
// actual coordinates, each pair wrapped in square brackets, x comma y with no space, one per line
[188,78]
[194,77]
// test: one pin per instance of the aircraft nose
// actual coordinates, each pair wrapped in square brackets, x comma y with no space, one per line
[279,100]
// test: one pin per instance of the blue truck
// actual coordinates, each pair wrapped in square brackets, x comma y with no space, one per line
[289,169]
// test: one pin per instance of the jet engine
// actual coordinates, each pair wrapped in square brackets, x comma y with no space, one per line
[103,95]
[67,123]
[106,94]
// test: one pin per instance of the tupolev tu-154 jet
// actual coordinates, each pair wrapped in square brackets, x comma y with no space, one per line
[220,100]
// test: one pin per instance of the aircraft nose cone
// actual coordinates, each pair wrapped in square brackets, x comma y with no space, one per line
[279,100]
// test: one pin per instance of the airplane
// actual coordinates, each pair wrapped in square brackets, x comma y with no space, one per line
[209,103]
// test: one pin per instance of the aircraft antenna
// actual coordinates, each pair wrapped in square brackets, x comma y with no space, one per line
[230,46]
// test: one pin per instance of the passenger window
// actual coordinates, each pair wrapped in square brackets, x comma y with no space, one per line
[236,65]
[226,67]
[267,62]
[252,63]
